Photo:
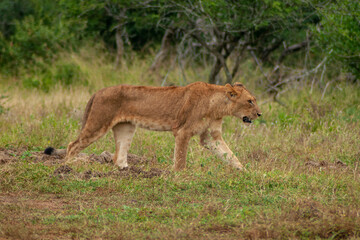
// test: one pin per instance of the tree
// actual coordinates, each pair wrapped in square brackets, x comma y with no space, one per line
[32,30]
[12,11]
[117,22]
[338,33]
[223,26]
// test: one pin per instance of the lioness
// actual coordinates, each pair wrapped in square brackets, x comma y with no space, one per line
[197,108]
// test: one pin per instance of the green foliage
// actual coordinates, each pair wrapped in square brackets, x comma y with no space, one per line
[270,19]
[34,39]
[137,21]
[67,74]
[35,36]
[339,33]
[37,30]
[12,11]
[45,77]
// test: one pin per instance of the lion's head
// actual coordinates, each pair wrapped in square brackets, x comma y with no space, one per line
[243,103]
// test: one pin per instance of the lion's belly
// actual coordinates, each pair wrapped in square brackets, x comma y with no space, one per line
[144,122]
[152,125]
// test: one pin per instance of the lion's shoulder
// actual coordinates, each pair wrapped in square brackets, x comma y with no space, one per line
[198,85]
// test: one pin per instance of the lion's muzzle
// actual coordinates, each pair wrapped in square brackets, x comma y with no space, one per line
[246,119]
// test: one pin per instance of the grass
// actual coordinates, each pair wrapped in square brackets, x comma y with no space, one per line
[302,177]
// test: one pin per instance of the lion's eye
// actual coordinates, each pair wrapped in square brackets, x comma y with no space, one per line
[251,102]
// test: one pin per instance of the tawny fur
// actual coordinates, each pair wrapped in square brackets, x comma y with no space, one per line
[196,109]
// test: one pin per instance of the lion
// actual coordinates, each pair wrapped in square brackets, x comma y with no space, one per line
[195,109]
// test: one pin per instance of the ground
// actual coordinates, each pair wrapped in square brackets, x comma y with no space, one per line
[81,199]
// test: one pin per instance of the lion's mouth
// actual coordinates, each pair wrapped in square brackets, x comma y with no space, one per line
[246,119]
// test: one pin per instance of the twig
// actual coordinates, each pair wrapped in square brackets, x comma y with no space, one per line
[258,63]
[237,61]
[277,100]
[326,86]
[322,73]
[164,81]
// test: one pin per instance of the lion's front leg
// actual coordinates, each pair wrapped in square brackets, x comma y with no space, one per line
[214,141]
[180,152]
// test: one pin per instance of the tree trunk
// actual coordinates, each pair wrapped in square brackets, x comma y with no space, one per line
[164,50]
[119,47]
[217,52]
[238,61]
[215,71]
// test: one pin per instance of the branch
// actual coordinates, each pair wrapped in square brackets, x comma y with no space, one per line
[119,17]
[259,64]
[237,61]
[217,54]
[164,50]
[266,52]
[292,49]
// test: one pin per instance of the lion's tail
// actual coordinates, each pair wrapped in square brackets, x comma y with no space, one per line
[53,151]
[87,110]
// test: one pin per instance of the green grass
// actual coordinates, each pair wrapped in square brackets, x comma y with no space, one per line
[301,179]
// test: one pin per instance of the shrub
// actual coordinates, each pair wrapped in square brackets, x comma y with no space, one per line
[67,74]
[339,34]
[44,77]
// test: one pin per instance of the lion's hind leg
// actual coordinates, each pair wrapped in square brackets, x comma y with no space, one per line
[123,134]
[87,136]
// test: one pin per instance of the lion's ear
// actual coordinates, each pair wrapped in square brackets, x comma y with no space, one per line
[230,91]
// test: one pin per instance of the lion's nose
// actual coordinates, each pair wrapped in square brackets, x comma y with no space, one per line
[259,114]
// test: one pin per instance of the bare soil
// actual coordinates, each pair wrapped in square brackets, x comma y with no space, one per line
[135,169]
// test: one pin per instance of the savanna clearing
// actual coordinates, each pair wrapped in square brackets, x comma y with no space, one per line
[301,179]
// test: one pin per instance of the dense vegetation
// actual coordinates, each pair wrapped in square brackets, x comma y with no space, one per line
[34,32]
[299,58]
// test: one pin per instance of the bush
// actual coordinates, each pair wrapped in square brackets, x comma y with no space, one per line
[44,77]
[33,41]
[68,74]
[339,34]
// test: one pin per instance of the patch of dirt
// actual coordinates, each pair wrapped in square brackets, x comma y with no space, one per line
[219,229]
[9,155]
[257,155]
[106,158]
[261,231]
[326,165]
[318,111]
[307,219]
[21,199]
[5,157]
[64,171]
[13,155]
[307,209]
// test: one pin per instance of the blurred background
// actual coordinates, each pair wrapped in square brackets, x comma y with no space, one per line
[271,45]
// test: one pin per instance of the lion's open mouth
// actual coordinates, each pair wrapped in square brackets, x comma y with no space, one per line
[246,119]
